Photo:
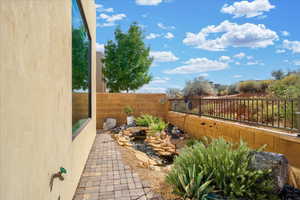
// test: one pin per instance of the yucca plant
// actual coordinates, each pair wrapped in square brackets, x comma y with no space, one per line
[226,165]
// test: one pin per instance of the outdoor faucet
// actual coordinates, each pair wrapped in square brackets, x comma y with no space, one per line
[58,175]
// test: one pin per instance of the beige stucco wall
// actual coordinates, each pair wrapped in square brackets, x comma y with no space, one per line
[36,100]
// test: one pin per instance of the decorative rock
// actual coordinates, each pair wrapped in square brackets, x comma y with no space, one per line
[276,162]
[110,123]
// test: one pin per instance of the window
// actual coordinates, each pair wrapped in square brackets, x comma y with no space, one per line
[81,69]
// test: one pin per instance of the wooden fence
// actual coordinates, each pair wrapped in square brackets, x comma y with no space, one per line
[111,105]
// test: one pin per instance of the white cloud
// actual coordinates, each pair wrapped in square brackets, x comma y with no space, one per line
[297,62]
[280,51]
[163,56]
[110,19]
[100,47]
[240,55]
[233,35]
[254,63]
[285,33]
[148,2]
[294,46]
[198,65]
[97,6]
[225,59]
[152,36]
[100,8]
[160,80]
[164,27]
[237,63]
[250,57]
[237,76]
[169,35]
[248,9]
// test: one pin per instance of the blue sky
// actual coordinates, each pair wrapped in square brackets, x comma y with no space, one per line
[224,40]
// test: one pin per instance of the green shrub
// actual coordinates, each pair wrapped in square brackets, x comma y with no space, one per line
[225,167]
[190,184]
[128,110]
[191,142]
[146,120]
[254,86]
[288,87]
[158,126]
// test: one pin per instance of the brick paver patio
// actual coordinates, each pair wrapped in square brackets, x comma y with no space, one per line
[106,177]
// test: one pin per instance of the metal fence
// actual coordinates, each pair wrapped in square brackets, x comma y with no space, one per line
[276,113]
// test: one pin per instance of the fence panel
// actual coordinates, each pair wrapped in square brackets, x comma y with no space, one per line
[276,113]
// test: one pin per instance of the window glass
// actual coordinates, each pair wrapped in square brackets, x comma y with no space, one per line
[81,69]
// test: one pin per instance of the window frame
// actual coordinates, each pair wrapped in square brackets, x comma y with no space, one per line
[90,100]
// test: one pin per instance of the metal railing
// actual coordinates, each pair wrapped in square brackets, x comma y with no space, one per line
[276,113]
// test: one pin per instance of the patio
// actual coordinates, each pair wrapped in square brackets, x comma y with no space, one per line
[106,177]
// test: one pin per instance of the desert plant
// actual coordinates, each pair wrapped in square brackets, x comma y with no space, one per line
[190,184]
[227,166]
[158,127]
[146,120]
[128,110]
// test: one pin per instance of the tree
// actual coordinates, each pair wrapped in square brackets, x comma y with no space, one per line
[127,61]
[80,50]
[198,87]
[278,74]
[173,92]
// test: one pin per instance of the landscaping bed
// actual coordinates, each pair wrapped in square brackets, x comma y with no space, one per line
[178,167]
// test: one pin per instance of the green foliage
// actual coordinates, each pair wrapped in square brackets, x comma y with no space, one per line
[80,49]
[288,87]
[232,89]
[158,127]
[146,120]
[198,87]
[278,74]
[191,142]
[221,90]
[254,86]
[226,167]
[128,110]
[190,184]
[127,61]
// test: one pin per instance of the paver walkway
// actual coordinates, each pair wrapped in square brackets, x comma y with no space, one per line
[106,177]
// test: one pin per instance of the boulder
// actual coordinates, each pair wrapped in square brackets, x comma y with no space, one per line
[109,123]
[276,162]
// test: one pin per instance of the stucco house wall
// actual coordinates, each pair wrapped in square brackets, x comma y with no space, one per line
[36,99]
